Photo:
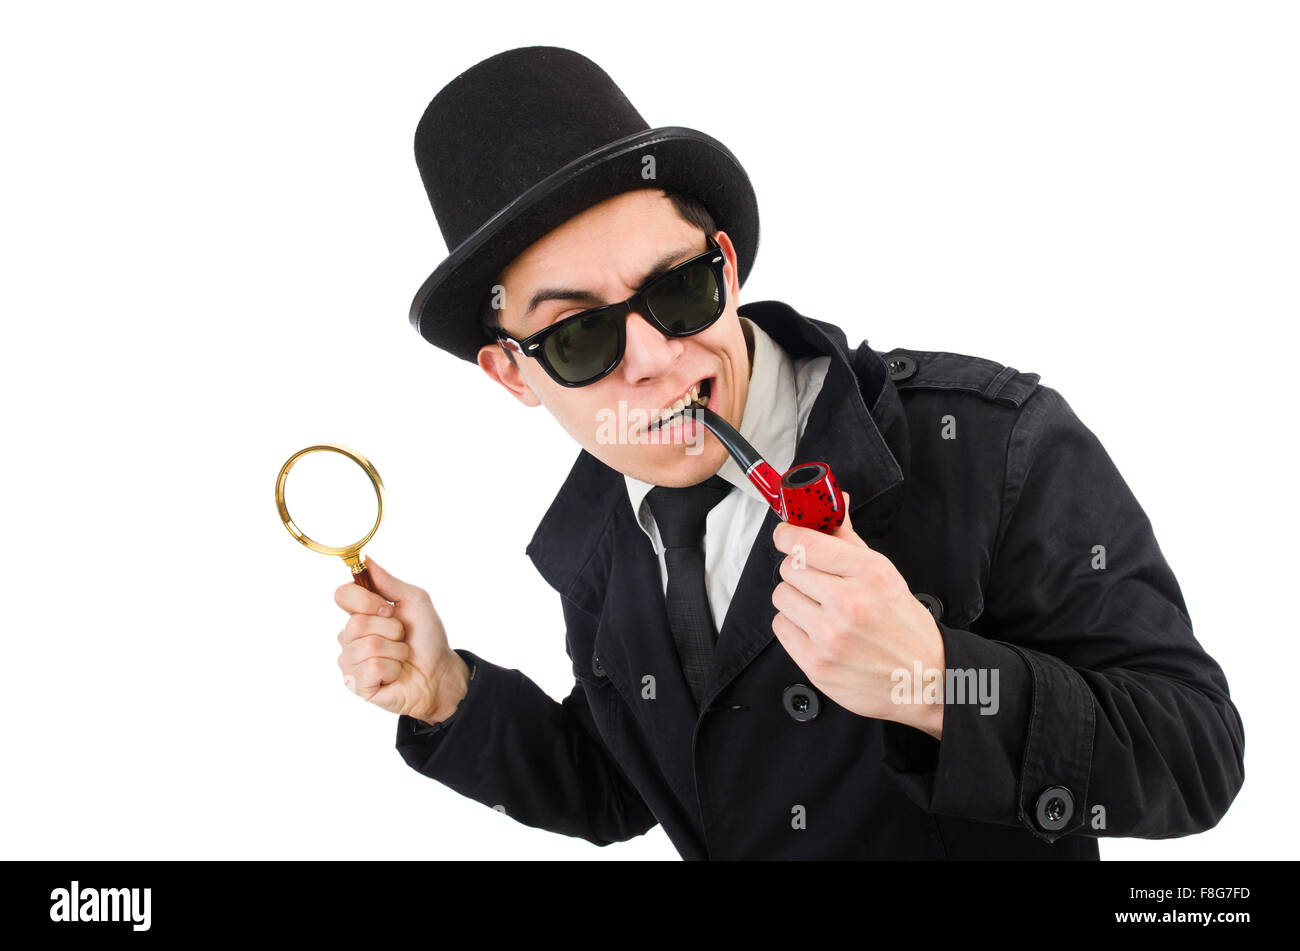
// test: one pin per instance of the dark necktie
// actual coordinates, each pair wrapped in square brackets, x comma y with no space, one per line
[679,515]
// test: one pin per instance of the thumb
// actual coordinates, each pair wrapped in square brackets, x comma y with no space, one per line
[388,587]
[845,530]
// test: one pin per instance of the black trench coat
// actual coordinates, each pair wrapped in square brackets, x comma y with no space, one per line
[991,498]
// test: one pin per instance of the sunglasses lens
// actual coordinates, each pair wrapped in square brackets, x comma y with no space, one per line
[583,349]
[688,300]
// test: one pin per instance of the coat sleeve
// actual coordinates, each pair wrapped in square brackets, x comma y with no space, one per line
[510,746]
[1103,691]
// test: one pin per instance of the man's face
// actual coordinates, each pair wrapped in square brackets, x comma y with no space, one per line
[603,256]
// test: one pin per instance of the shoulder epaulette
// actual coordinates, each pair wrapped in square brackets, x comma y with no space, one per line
[938,370]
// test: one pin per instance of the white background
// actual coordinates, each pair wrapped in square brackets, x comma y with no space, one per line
[213,227]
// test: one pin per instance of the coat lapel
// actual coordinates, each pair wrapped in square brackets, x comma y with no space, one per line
[635,644]
[840,432]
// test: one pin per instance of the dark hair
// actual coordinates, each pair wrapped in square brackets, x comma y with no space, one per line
[692,211]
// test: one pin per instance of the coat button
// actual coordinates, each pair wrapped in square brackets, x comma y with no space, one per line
[801,702]
[900,368]
[1055,807]
[932,604]
[596,669]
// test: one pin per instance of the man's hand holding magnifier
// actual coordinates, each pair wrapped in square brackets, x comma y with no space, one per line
[396,655]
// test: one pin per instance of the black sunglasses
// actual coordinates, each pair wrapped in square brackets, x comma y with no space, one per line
[586,347]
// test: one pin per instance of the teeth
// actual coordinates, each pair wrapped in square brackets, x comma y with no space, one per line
[690,396]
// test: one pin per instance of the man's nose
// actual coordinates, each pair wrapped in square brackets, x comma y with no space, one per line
[649,352]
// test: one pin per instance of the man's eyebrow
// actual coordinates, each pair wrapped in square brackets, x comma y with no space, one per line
[660,267]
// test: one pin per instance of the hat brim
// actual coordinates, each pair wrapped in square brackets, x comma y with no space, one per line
[446,308]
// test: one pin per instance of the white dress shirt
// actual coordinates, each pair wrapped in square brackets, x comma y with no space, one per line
[781,394]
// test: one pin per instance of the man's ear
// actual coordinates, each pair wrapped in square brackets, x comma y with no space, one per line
[497,365]
[733,275]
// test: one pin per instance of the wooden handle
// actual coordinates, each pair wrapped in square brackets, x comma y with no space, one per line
[363,578]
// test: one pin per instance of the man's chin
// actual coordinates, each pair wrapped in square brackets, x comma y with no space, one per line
[669,465]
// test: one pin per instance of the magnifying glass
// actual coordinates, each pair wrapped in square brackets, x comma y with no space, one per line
[330,488]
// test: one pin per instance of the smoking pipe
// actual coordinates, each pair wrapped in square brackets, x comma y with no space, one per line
[806,495]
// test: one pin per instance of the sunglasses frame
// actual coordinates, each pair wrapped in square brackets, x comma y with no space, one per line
[531,346]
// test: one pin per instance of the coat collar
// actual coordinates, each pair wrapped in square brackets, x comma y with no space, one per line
[867,450]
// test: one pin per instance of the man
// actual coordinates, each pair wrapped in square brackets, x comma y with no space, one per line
[990,658]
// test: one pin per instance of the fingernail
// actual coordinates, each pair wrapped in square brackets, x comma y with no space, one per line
[385,610]
[350,684]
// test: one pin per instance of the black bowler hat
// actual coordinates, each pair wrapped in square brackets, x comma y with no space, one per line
[515,146]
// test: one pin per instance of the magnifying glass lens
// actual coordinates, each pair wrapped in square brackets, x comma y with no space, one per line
[330,499]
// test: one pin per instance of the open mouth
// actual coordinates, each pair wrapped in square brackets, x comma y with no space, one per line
[696,395]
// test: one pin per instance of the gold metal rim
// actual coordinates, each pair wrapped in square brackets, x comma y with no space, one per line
[295,531]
